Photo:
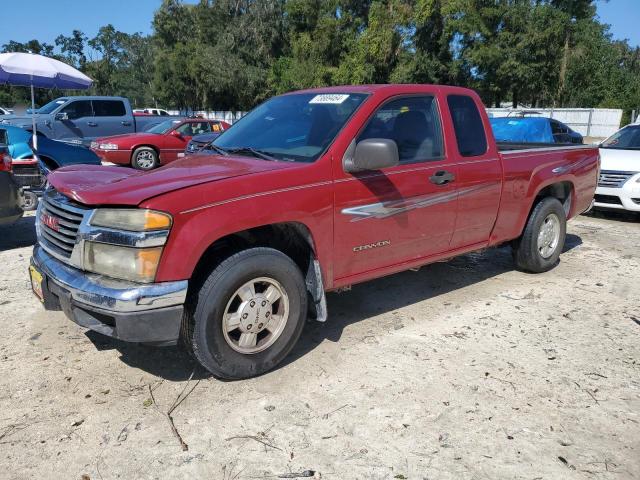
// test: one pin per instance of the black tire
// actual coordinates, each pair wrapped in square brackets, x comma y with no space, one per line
[144,158]
[29,201]
[202,328]
[526,253]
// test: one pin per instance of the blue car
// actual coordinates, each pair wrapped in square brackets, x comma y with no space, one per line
[532,130]
[29,171]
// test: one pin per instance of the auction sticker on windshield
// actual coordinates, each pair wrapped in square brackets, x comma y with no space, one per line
[329,98]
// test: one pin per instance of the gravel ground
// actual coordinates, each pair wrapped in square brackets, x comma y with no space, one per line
[462,370]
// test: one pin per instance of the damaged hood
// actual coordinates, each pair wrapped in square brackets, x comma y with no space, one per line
[107,185]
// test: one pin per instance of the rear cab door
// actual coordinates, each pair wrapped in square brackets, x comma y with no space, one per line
[396,215]
[479,168]
[111,117]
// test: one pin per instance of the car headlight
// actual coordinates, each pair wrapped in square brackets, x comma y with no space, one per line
[131,247]
[131,219]
[128,263]
[107,146]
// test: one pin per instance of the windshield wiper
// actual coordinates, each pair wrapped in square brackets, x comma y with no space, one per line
[253,151]
[216,148]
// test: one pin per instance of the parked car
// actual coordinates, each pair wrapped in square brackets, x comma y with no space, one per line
[30,169]
[532,130]
[5,111]
[10,198]
[160,145]
[84,118]
[156,111]
[199,143]
[312,191]
[619,182]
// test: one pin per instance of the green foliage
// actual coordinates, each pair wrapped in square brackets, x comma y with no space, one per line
[232,54]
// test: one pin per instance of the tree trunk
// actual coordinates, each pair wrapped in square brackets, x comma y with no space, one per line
[563,69]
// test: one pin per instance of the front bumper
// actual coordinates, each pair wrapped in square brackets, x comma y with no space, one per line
[119,157]
[133,312]
[626,197]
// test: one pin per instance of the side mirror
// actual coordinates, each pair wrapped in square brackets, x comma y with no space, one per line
[175,133]
[370,154]
[62,116]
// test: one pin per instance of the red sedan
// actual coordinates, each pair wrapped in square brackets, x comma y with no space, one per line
[159,145]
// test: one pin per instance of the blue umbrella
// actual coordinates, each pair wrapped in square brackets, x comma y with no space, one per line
[31,70]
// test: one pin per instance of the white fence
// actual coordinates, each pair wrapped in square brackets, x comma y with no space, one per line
[589,122]
[226,116]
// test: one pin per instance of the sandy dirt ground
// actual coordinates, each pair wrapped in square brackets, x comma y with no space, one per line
[462,370]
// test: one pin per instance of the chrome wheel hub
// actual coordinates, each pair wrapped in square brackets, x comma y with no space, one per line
[145,159]
[255,315]
[549,235]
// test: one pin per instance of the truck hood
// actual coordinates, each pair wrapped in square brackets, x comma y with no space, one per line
[106,185]
[618,159]
[20,121]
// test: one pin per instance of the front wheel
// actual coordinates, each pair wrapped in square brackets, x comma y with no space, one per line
[144,158]
[539,247]
[248,314]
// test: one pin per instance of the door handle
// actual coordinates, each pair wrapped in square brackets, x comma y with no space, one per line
[442,177]
[92,124]
[126,124]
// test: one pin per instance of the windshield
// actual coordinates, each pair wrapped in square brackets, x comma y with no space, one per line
[163,127]
[51,106]
[297,127]
[626,139]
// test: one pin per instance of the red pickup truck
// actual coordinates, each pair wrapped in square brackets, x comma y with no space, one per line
[233,250]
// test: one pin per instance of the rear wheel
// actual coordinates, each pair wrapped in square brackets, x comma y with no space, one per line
[248,314]
[144,158]
[539,247]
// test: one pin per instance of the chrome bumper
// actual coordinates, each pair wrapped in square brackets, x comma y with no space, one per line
[107,294]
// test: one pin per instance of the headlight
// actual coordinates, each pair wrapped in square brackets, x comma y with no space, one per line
[107,146]
[135,264]
[136,219]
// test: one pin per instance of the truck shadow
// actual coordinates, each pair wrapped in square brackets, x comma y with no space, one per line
[365,300]
[19,234]
[615,215]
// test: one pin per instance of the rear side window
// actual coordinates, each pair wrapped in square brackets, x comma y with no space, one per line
[467,124]
[109,108]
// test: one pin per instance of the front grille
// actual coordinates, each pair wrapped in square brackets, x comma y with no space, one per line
[614,178]
[28,176]
[59,219]
[611,199]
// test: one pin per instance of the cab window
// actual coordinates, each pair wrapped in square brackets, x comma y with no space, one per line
[109,108]
[78,109]
[467,124]
[413,123]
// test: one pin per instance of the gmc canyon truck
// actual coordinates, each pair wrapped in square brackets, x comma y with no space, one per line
[313,191]
[82,119]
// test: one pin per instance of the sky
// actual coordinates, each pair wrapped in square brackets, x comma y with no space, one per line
[46,19]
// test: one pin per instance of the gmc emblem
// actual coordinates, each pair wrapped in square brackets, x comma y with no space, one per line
[52,222]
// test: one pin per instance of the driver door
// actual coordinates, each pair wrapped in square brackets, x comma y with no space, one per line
[402,213]
[80,121]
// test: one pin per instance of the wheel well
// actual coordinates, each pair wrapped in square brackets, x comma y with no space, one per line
[563,191]
[49,162]
[152,147]
[292,238]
